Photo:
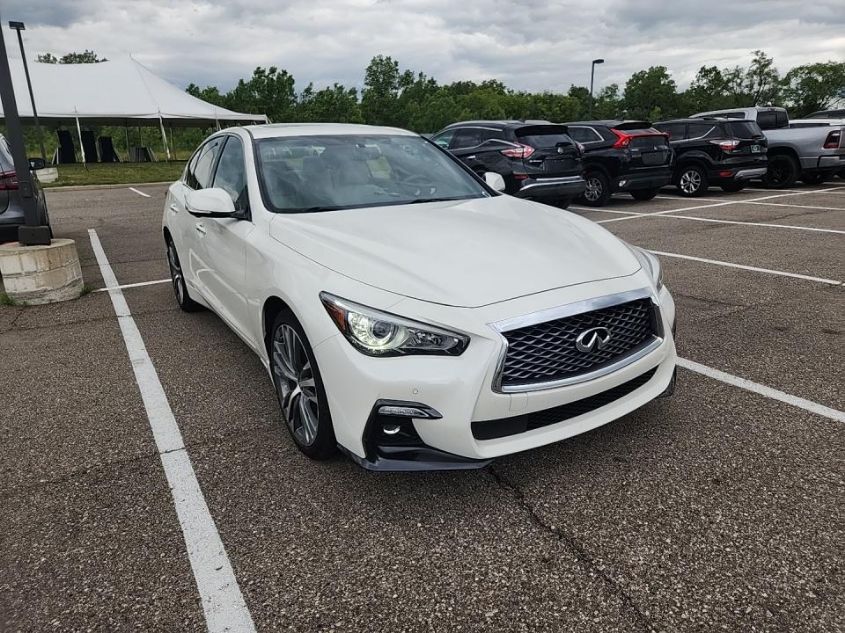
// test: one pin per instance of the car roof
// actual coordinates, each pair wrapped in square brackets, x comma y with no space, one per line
[699,119]
[608,122]
[502,123]
[276,130]
[821,122]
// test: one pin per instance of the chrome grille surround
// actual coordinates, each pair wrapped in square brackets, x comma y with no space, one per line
[614,363]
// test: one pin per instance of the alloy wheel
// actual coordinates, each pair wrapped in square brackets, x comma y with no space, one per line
[593,190]
[296,385]
[690,181]
[176,273]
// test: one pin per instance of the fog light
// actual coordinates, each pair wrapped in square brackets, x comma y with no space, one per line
[391,429]
[622,183]
[406,411]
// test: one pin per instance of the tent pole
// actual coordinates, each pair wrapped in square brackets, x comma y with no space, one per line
[172,143]
[81,146]
[164,137]
[126,129]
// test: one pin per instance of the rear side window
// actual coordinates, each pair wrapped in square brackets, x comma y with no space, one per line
[745,129]
[466,137]
[198,174]
[584,134]
[675,131]
[781,119]
[6,161]
[767,120]
[698,130]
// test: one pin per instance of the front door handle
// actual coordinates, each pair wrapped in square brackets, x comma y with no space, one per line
[200,229]
[174,208]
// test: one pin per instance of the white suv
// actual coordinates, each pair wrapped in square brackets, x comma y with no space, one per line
[407,311]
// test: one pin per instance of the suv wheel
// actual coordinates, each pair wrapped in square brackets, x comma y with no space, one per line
[299,388]
[782,173]
[597,192]
[692,181]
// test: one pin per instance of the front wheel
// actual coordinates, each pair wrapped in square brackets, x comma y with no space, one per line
[597,192]
[733,187]
[177,278]
[299,389]
[692,181]
[644,195]
[782,172]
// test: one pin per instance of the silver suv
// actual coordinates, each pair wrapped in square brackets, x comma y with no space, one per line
[11,210]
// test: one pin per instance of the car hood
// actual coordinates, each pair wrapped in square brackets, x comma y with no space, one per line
[465,253]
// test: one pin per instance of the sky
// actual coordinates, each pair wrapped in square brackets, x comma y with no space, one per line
[528,45]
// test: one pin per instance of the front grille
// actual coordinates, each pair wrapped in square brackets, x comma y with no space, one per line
[492,429]
[546,352]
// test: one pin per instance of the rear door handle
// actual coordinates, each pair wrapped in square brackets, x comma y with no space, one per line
[174,208]
[200,229]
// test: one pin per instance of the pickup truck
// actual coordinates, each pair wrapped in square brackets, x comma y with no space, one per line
[809,150]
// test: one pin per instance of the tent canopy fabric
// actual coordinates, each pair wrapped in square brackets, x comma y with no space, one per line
[118,92]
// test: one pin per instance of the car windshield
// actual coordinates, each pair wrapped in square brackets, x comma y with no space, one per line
[325,173]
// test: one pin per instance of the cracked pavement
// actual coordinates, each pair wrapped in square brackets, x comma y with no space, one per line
[716,509]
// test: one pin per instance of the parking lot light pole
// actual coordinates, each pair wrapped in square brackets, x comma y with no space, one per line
[592,77]
[20,26]
[30,234]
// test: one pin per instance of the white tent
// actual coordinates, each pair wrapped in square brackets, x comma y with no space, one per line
[119,92]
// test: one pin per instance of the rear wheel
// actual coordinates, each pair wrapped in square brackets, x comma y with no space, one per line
[597,192]
[180,289]
[814,178]
[733,187]
[782,173]
[692,181]
[644,195]
[299,389]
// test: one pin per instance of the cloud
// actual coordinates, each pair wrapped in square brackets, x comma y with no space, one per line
[542,46]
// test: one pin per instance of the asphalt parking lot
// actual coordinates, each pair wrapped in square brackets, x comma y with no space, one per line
[720,508]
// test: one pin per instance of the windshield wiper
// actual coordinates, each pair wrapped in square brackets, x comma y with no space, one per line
[315,209]
[422,200]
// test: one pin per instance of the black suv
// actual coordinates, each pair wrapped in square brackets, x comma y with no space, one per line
[622,156]
[714,151]
[537,159]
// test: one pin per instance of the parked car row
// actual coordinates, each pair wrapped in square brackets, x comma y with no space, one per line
[592,160]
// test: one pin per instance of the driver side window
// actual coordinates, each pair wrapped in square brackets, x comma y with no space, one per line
[231,174]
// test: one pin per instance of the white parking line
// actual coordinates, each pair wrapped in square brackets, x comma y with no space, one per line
[797,206]
[135,285]
[765,224]
[763,390]
[222,601]
[140,193]
[755,269]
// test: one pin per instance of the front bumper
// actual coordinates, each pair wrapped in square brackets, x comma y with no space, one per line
[566,187]
[461,389]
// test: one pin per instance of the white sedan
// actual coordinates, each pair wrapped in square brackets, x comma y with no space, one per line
[407,312]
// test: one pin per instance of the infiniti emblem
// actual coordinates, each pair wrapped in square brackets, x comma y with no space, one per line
[592,339]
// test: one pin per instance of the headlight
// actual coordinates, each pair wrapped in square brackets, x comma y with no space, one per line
[377,333]
[650,263]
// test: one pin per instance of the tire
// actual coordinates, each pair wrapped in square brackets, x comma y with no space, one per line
[692,181]
[177,278]
[733,187]
[644,195]
[597,193]
[783,172]
[299,389]
[814,178]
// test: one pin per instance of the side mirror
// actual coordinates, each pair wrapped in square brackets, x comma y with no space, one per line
[494,180]
[37,163]
[211,203]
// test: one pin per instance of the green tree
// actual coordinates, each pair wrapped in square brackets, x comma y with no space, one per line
[85,57]
[762,81]
[336,104]
[47,58]
[269,91]
[381,91]
[651,94]
[813,87]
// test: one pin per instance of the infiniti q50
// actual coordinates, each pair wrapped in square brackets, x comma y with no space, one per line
[408,312]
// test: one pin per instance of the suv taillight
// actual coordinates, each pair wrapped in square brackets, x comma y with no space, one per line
[726,146]
[832,140]
[622,139]
[8,180]
[520,151]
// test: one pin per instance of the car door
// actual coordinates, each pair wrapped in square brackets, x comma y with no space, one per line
[465,146]
[225,240]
